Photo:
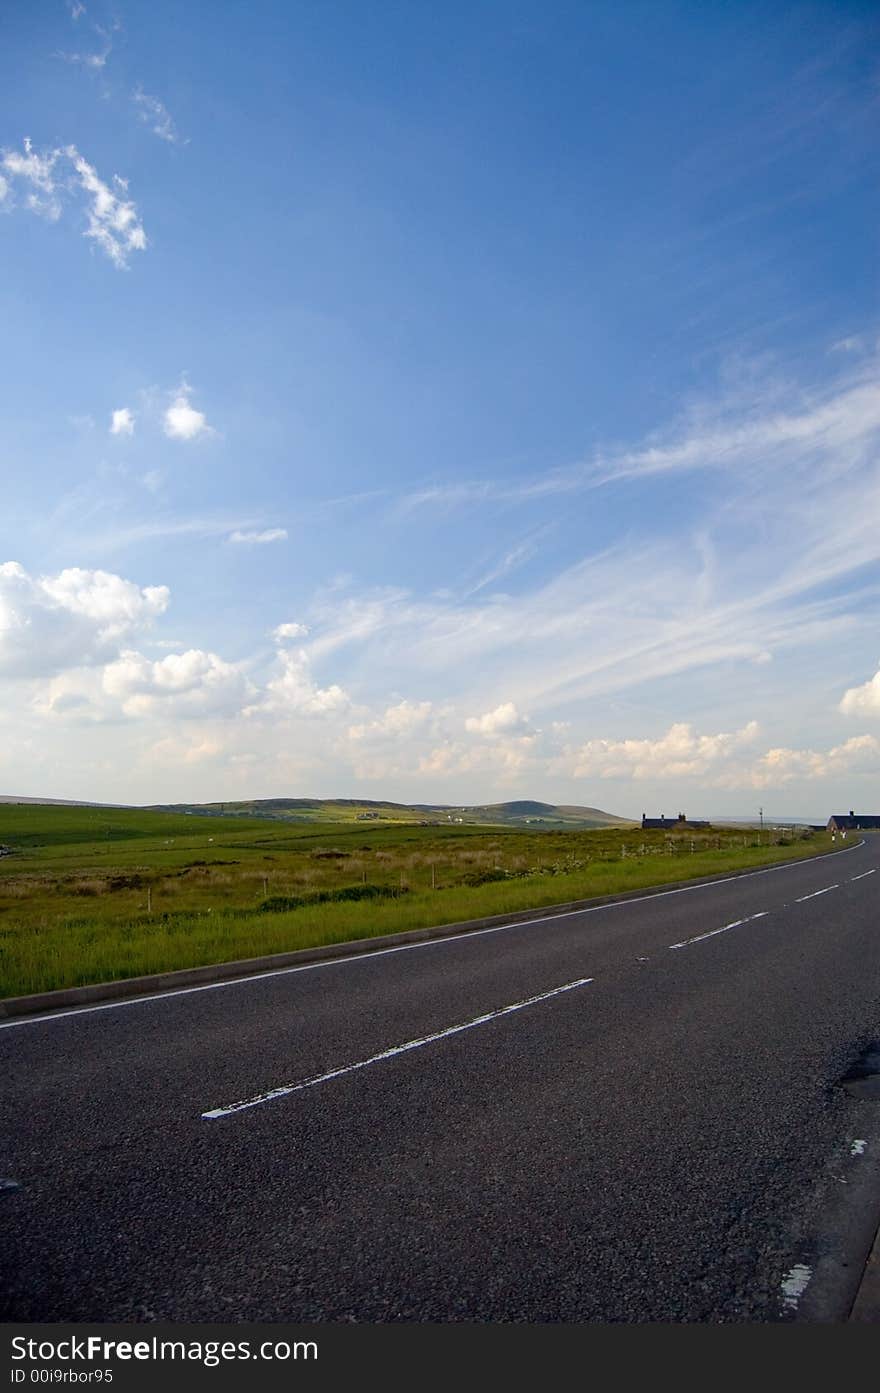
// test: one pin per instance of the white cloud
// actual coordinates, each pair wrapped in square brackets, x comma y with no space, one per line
[397,722]
[272,534]
[94,61]
[112,220]
[718,761]
[37,173]
[505,760]
[294,692]
[782,766]
[193,683]
[122,422]
[157,116]
[4,188]
[679,753]
[73,619]
[284,632]
[751,433]
[504,720]
[853,344]
[864,700]
[182,421]
[173,751]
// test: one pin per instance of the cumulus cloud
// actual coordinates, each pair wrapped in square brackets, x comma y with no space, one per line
[271,534]
[284,632]
[73,696]
[505,758]
[193,683]
[73,619]
[122,422]
[294,692]
[174,751]
[396,722]
[864,700]
[182,421]
[157,116]
[679,753]
[504,720]
[47,179]
[782,765]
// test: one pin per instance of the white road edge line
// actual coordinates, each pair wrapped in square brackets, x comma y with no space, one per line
[817,892]
[289,1088]
[686,943]
[862,876]
[253,977]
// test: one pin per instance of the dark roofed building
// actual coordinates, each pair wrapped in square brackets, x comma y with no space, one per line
[853,822]
[670,824]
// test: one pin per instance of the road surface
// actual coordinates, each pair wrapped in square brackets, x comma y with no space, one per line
[622,1114]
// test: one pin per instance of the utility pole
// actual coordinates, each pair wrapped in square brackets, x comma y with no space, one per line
[761,815]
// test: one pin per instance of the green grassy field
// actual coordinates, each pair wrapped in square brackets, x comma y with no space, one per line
[97,894]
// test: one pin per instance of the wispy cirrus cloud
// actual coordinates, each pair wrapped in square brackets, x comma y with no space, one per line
[95,59]
[749,431]
[254,538]
[54,177]
[155,114]
[35,174]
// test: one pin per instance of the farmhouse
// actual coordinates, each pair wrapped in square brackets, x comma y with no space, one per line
[679,823]
[853,822]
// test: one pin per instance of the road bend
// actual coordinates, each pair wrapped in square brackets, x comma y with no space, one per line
[627,1113]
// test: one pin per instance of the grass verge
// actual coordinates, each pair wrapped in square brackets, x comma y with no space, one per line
[77,951]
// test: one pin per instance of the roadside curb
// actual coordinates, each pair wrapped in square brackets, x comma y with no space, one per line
[205,975]
[866,1307]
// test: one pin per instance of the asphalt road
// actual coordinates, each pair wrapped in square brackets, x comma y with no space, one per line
[653,1138]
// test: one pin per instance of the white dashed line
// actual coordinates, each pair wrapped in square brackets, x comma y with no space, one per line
[862,876]
[285,1089]
[699,938]
[817,892]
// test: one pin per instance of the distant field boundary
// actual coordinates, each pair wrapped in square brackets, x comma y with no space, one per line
[216,974]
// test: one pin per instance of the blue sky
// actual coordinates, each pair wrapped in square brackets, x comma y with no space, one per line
[447,403]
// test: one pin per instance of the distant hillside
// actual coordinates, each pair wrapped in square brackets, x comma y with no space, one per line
[59,802]
[520,813]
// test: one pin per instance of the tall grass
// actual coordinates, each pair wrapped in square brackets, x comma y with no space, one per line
[81,946]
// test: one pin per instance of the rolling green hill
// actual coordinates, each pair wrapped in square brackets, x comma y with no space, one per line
[520,813]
